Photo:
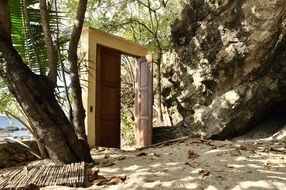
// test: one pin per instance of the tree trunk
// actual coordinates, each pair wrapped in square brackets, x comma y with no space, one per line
[36,96]
[159,88]
[5,20]
[78,111]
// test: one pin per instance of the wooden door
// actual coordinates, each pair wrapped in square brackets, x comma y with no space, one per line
[143,102]
[107,114]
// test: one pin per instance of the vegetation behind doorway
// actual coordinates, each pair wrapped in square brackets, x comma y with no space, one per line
[127,113]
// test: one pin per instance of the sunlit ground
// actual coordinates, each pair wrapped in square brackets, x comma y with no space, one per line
[211,165]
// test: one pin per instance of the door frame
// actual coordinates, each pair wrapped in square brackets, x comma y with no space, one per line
[90,39]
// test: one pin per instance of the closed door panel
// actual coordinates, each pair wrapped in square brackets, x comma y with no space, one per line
[107,97]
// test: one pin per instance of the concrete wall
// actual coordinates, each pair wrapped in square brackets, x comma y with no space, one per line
[12,153]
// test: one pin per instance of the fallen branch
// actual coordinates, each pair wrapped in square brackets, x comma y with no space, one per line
[177,140]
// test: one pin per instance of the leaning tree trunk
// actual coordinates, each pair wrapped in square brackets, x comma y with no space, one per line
[232,63]
[36,96]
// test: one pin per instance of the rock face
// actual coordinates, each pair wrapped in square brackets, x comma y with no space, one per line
[232,68]
[12,153]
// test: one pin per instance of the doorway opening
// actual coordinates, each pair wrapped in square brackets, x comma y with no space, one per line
[102,97]
[127,102]
[116,98]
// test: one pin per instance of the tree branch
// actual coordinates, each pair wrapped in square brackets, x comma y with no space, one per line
[78,109]
[49,43]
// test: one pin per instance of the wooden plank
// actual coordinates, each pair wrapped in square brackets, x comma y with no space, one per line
[14,178]
[31,176]
[72,175]
[4,177]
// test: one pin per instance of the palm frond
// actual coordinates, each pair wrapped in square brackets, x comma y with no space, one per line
[27,32]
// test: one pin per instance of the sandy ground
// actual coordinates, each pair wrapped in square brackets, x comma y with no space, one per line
[196,164]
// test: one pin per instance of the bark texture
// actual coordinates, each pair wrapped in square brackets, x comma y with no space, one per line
[5,16]
[232,65]
[78,111]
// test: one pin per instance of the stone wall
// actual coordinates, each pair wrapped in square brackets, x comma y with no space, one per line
[12,153]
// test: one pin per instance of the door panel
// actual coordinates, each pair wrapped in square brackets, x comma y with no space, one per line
[107,119]
[143,102]
[109,99]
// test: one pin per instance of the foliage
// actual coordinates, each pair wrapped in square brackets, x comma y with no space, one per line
[127,130]
[144,21]
[27,32]
[127,100]
[28,39]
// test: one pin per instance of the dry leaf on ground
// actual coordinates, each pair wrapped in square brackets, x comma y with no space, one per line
[193,164]
[252,150]
[141,154]
[96,179]
[204,173]
[264,149]
[92,175]
[116,180]
[192,155]
[242,147]
[99,182]
[111,181]
[271,164]
[107,163]
[235,152]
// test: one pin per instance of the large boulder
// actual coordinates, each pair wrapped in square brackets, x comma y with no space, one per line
[232,68]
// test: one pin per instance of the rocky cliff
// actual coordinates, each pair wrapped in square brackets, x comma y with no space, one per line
[232,67]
